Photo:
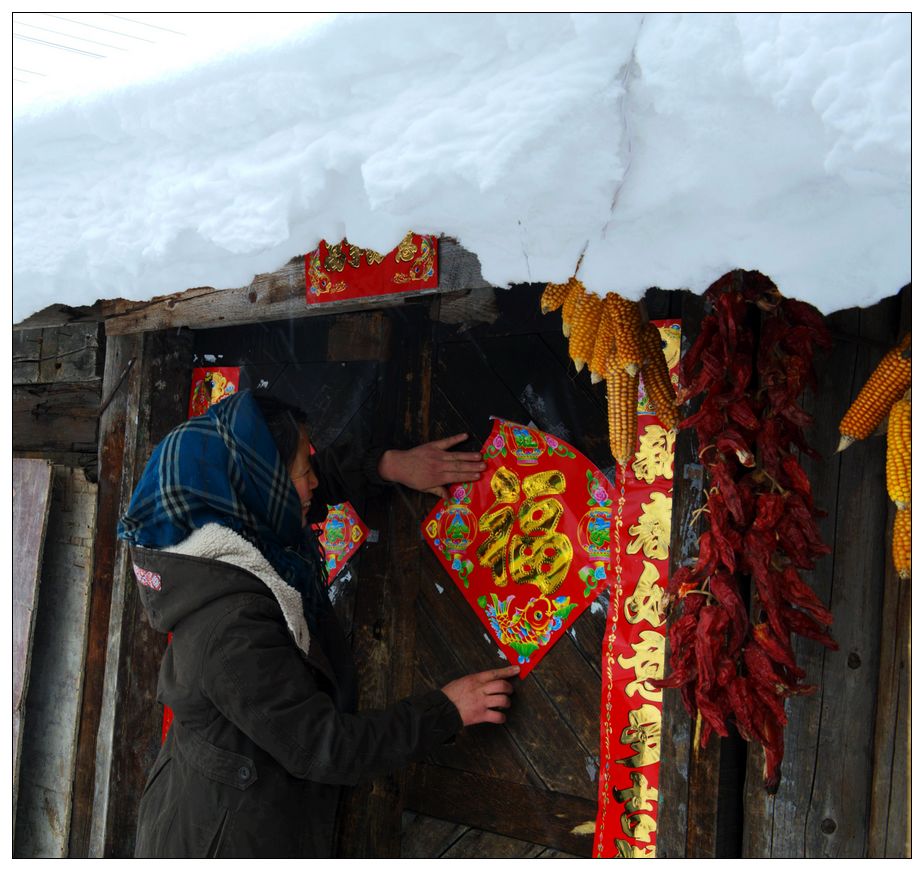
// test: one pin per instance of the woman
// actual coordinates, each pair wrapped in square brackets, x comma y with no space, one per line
[259,674]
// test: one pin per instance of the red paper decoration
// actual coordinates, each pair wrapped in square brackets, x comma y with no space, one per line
[211,384]
[528,544]
[633,647]
[345,271]
[341,534]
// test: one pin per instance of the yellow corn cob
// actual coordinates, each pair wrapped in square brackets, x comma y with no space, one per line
[890,379]
[575,292]
[622,408]
[658,378]
[627,330]
[603,344]
[553,296]
[898,453]
[901,543]
[584,324]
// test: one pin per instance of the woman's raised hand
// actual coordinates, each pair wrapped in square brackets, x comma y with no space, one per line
[480,696]
[430,466]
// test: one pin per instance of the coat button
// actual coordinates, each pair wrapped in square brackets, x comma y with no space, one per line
[243,772]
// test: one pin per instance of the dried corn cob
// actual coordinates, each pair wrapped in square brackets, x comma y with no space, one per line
[627,330]
[622,408]
[901,543]
[553,296]
[890,379]
[584,324]
[575,292]
[658,378]
[603,344]
[898,453]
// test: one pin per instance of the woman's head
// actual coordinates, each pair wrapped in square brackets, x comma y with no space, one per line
[288,425]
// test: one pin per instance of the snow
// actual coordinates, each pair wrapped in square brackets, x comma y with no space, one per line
[665,147]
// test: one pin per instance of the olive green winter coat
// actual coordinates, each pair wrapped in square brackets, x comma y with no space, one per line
[262,736]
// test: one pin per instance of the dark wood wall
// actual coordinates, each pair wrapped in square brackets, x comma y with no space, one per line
[434,366]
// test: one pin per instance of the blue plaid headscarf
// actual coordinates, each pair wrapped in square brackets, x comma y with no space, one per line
[224,467]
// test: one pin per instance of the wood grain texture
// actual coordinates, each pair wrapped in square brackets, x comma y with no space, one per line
[56,417]
[32,490]
[822,807]
[131,709]
[528,814]
[890,805]
[384,623]
[69,353]
[53,704]
[120,352]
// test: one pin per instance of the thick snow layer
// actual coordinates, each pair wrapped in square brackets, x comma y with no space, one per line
[668,148]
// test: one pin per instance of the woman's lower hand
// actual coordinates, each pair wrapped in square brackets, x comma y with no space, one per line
[481,697]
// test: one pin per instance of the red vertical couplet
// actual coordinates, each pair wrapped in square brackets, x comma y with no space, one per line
[633,647]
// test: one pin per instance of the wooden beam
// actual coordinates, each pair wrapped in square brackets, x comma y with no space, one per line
[515,810]
[272,296]
[121,380]
[53,705]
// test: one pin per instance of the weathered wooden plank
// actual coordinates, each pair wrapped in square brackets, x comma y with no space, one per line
[890,821]
[477,844]
[27,352]
[135,648]
[484,749]
[536,816]
[822,806]
[50,739]
[56,417]
[534,723]
[425,837]
[32,480]
[384,619]
[71,352]
[271,297]
[118,382]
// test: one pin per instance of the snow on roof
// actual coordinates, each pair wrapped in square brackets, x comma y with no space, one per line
[667,148]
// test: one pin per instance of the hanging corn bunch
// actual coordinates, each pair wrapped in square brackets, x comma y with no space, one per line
[898,453]
[888,392]
[901,543]
[622,405]
[609,337]
[890,379]
[657,378]
[585,325]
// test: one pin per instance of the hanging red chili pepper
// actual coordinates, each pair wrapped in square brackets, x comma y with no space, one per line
[732,668]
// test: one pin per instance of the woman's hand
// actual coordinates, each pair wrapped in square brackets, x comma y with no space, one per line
[478,696]
[430,466]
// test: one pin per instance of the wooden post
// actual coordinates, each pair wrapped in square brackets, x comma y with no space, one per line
[122,355]
[384,617]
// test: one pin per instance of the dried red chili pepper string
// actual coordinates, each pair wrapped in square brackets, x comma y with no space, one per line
[732,667]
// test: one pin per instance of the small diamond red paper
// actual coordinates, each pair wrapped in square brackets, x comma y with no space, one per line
[341,535]
[528,544]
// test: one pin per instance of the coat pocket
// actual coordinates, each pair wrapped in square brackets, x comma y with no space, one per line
[215,763]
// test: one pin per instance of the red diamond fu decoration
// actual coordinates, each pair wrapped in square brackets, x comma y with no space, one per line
[528,544]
